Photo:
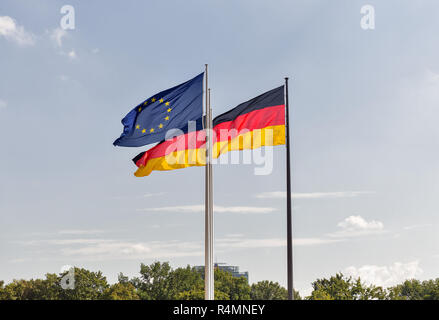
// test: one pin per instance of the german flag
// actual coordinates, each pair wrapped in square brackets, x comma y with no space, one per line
[185,150]
[252,124]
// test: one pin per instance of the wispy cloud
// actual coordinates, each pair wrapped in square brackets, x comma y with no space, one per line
[72,54]
[3,104]
[417,226]
[145,195]
[81,232]
[64,242]
[113,249]
[156,194]
[19,260]
[354,226]
[240,242]
[109,250]
[386,275]
[96,249]
[218,209]
[312,195]
[11,31]
[57,36]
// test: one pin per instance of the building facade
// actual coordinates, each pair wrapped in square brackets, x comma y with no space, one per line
[233,270]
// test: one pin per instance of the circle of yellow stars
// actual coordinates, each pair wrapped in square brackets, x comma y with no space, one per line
[160,126]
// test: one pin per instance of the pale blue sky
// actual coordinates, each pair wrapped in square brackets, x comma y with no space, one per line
[364,128]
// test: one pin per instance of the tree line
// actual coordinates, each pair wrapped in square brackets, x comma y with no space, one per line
[158,281]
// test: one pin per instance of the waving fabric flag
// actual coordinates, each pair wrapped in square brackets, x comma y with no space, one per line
[185,150]
[252,124]
[149,121]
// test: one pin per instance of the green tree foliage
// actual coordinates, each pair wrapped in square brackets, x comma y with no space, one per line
[160,281]
[339,287]
[269,290]
[153,283]
[235,288]
[37,289]
[88,286]
[415,290]
[184,280]
[199,295]
[121,291]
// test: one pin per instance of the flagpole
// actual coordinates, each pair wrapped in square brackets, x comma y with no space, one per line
[211,233]
[289,215]
[208,201]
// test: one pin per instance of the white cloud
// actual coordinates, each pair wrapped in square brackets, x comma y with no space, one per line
[63,242]
[234,235]
[110,249]
[428,83]
[417,226]
[354,226]
[146,195]
[312,195]
[13,32]
[57,35]
[191,208]
[234,242]
[72,54]
[314,241]
[217,209]
[386,276]
[3,104]
[359,223]
[19,260]
[95,249]
[79,232]
[150,195]
[239,242]
[243,209]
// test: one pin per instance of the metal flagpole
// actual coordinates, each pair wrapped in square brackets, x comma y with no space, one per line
[208,220]
[289,216]
[211,232]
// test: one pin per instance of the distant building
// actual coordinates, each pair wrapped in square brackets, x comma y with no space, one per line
[234,270]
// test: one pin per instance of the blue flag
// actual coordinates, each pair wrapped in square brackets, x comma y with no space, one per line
[170,109]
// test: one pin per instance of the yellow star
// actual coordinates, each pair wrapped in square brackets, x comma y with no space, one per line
[152,130]
[167,118]
[167,103]
[160,126]
[145,103]
[143,131]
[140,109]
[137,127]
[161,100]
[169,110]
[153,99]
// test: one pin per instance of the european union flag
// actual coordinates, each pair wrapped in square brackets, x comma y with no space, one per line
[170,109]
